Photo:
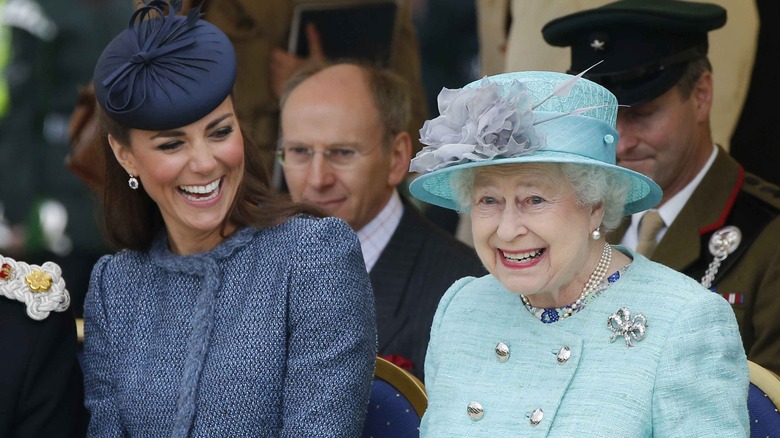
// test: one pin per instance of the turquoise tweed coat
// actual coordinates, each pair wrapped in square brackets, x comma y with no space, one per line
[687,377]
[270,334]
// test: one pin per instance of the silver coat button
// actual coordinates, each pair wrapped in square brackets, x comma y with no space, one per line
[536,416]
[563,355]
[475,411]
[502,352]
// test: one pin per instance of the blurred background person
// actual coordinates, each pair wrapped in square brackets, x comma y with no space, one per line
[519,46]
[344,148]
[260,33]
[46,212]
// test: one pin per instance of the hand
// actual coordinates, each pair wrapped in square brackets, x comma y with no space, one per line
[12,239]
[284,64]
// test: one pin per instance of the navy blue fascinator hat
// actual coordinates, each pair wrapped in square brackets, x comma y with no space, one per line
[165,70]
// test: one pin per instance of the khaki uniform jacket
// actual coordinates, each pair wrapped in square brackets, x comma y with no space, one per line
[256,27]
[750,276]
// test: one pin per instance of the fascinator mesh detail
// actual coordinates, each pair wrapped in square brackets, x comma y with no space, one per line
[489,120]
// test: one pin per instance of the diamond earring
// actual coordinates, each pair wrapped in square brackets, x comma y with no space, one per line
[596,234]
[132,182]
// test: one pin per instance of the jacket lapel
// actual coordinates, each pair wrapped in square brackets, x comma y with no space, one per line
[391,275]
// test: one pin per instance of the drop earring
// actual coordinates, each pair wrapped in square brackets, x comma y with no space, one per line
[132,182]
[596,234]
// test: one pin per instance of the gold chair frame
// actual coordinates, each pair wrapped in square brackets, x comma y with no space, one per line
[407,384]
[766,381]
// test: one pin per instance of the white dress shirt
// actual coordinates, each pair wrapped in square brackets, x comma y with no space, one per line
[375,236]
[670,209]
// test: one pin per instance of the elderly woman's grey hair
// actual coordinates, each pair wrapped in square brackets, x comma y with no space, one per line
[592,184]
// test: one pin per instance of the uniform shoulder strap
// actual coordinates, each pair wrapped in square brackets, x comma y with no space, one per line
[765,191]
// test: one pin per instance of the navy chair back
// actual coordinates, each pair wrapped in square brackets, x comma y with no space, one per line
[763,402]
[396,405]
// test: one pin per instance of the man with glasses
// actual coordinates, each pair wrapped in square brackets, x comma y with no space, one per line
[344,147]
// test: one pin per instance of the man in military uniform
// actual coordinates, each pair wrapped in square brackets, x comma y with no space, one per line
[715,223]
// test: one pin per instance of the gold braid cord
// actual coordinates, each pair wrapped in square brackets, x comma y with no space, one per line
[40,288]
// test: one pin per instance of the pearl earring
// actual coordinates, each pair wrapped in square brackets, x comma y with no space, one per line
[596,234]
[132,182]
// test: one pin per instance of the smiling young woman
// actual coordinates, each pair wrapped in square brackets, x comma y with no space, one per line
[192,174]
[230,310]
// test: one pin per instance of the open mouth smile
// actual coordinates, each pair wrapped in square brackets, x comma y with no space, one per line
[201,193]
[522,257]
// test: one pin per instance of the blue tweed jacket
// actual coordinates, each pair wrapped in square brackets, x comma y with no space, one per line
[688,377]
[271,333]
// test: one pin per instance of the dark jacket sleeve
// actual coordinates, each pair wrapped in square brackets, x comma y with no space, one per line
[41,390]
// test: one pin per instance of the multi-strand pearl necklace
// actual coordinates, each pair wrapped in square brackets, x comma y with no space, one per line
[552,315]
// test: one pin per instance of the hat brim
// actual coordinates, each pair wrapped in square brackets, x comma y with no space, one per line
[660,15]
[435,188]
[643,88]
[645,45]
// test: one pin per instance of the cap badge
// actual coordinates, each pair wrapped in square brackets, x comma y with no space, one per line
[598,45]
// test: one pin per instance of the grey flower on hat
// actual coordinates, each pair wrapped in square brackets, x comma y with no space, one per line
[477,124]
[543,117]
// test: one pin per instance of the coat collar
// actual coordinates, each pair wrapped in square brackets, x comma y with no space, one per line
[391,273]
[705,211]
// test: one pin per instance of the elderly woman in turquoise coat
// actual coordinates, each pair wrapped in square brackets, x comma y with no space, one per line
[567,335]
[229,311]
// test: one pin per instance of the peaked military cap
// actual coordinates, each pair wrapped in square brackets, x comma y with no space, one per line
[645,45]
[165,70]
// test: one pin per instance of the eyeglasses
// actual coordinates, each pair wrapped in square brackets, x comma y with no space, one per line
[301,156]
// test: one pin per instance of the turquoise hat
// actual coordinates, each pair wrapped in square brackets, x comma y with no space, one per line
[524,117]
